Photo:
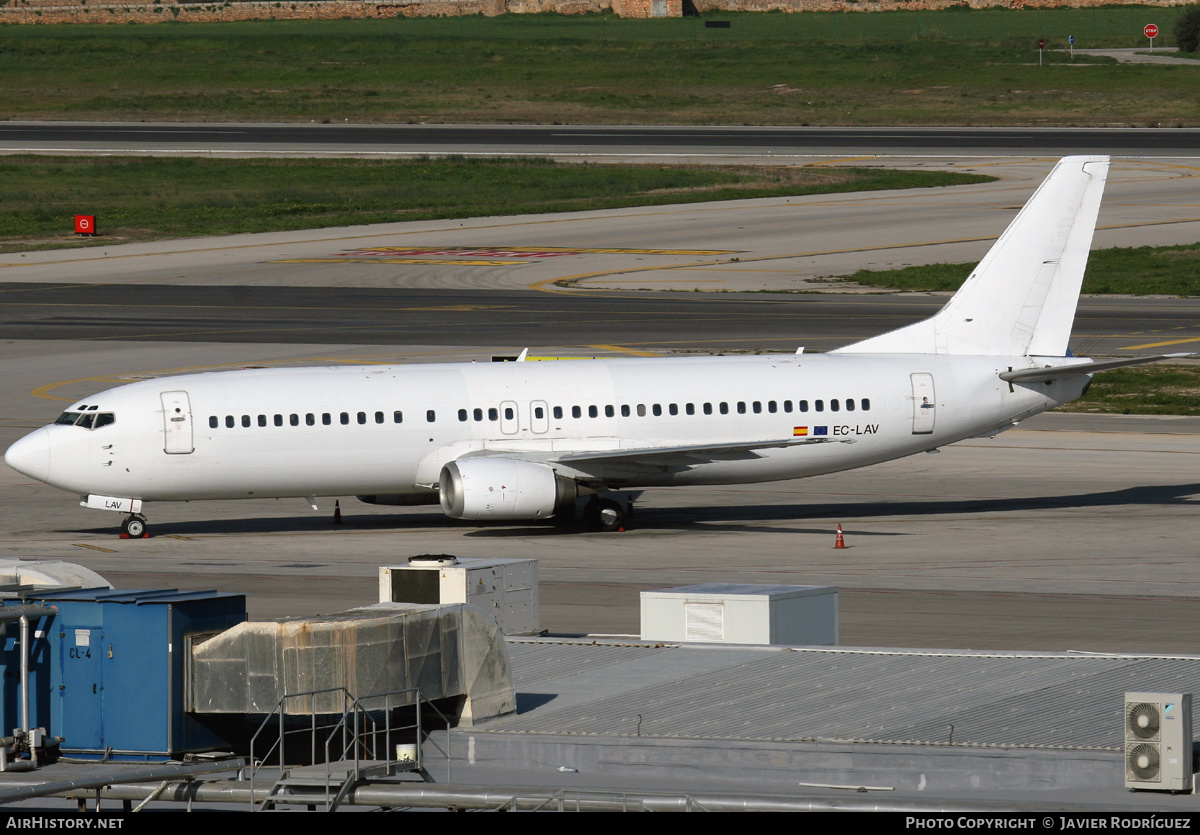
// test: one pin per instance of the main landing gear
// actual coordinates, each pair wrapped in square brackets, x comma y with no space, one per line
[606,514]
[134,527]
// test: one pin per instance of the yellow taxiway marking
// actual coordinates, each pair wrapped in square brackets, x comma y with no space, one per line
[94,547]
[501,251]
[1160,344]
[444,262]
[621,350]
[564,282]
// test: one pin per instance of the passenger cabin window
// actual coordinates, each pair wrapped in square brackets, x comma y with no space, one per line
[462,415]
[708,408]
[673,409]
[279,420]
[213,423]
[345,418]
[866,405]
[229,421]
[245,421]
[641,410]
[593,411]
[397,417]
[294,420]
[430,416]
[724,408]
[326,419]
[849,404]
[609,411]
[657,409]
[262,420]
[576,412]
[787,405]
[625,410]
[833,405]
[362,418]
[379,417]
[558,412]
[804,405]
[690,408]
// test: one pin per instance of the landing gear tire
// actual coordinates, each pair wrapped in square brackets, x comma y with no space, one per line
[134,526]
[608,515]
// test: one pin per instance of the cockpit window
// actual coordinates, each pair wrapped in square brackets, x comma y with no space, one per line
[88,420]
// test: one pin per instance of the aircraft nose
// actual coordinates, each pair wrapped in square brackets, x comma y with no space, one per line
[31,455]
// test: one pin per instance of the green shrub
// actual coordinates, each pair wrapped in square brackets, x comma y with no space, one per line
[1187,29]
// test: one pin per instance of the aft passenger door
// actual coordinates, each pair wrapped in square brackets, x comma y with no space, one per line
[924,404]
[177,423]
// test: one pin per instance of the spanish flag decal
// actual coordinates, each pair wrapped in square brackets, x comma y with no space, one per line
[799,431]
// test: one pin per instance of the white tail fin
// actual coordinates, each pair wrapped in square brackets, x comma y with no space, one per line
[1020,300]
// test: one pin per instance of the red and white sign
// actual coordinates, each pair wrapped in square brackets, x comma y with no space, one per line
[85,224]
[1151,31]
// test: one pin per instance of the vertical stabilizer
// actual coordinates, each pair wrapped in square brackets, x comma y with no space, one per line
[1020,300]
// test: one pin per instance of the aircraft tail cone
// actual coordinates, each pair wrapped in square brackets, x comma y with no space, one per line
[337,513]
[840,542]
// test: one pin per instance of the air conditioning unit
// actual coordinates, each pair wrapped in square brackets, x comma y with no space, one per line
[1158,742]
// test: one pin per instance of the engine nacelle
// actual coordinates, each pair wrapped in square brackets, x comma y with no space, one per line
[503,488]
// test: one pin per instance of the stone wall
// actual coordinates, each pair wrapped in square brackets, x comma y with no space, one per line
[83,11]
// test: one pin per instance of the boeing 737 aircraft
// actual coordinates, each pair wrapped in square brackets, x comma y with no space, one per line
[525,440]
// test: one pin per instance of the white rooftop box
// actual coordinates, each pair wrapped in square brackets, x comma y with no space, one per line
[506,589]
[729,613]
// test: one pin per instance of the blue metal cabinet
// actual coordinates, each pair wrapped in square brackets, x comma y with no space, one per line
[118,669]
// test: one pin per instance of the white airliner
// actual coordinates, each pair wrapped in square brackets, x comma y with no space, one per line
[524,440]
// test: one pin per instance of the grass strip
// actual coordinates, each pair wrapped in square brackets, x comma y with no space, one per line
[953,67]
[1142,390]
[1134,271]
[149,198]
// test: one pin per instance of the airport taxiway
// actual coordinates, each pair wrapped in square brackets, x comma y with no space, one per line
[1069,532]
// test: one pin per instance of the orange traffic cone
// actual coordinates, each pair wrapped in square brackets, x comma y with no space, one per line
[337,513]
[840,542]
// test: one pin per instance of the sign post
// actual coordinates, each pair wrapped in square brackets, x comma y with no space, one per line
[1151,31]
[1041,49]
[1071,41]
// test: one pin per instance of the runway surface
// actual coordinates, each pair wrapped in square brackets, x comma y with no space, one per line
[1066,533]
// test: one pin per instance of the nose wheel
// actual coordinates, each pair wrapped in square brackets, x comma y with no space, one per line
[134,527]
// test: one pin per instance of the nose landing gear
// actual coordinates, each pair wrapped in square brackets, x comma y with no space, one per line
[134,527]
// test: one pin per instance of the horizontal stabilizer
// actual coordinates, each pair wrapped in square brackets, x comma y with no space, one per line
[1058,372]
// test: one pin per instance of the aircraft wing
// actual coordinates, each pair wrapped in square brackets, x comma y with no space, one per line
[1045,375]
[690,454]
[633,461]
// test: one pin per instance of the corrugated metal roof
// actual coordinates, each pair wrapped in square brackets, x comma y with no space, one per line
[1042,700]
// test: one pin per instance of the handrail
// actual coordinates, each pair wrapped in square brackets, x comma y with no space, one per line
[359,733]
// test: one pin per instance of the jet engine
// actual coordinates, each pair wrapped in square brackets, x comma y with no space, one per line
[503,488]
